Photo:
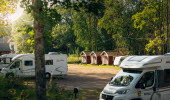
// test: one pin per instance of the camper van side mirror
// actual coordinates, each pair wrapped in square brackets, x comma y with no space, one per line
[111,78]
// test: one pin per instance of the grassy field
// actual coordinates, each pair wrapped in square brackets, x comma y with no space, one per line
[109,66]
[73,60]
[77,60]
[89,94]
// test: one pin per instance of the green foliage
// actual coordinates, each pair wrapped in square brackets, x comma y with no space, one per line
[156,45]
[14,89]
[57,93]
[11,89]
[149,21]
[103,25]
[62,34]
[117,22]
[6,8]
[23,34]
[148,17]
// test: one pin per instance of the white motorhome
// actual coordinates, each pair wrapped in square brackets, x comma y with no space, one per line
[6,59]
[118,60]
[23,65]
[141,78]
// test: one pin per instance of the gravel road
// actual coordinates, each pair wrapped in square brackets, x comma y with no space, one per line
[84,77]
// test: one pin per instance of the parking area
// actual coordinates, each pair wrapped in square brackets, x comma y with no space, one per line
[84,77]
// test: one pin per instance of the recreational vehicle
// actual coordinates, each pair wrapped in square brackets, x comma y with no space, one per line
[6,59]
[118,60]
[141,78]
[23,65]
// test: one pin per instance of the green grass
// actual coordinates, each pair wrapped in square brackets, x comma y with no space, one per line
[107,66]
[73,60]
[89,94]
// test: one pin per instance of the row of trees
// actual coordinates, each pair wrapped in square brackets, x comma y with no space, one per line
[141,27]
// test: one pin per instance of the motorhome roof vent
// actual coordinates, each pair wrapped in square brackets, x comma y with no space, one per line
[53,53]
[167,54]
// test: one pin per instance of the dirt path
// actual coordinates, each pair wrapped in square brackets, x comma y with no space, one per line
[84,77]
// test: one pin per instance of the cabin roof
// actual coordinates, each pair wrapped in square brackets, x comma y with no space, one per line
[111,53]
[87,53]
[4,47]
[97,53]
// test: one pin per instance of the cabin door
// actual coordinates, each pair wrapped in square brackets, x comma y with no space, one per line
[105,60]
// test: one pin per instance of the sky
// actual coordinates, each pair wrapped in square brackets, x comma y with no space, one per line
[19,12]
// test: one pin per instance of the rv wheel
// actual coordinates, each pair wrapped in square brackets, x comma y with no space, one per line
[137,99]
[9,75]
[47,75]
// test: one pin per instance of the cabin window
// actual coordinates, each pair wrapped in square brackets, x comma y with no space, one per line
[28,63]
[49,62]
[147,80]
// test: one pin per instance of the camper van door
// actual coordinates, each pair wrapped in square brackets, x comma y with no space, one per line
[146,84]
[163,90]
[16,68]
[28,67]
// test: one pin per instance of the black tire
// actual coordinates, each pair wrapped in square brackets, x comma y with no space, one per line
[47,75]
[137,99]
[9,75]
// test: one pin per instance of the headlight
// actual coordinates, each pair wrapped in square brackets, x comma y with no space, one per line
[122,91]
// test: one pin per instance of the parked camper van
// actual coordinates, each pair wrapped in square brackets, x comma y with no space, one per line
[23,65]
[118,60]
[6,59]
[141,78]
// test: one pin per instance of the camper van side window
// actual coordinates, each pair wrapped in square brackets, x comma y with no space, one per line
[49,62]
[28,63]
[166,75]
[147,79]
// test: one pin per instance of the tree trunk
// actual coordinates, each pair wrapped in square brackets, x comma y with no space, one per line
[39,49]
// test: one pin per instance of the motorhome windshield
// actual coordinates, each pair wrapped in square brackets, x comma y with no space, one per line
[125,77]
[122,80]
[9,65]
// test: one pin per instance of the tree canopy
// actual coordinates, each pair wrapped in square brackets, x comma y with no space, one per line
[105,25]
[6,8]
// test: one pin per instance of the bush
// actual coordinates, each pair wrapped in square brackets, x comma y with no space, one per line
[13,89]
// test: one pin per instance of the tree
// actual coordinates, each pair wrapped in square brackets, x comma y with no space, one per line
[22,32]
[6,8]
[149,20]
[38,14]
[117,22]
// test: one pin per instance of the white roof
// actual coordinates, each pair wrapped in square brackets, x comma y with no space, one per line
[19,56]
[141,61]
[8,55]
